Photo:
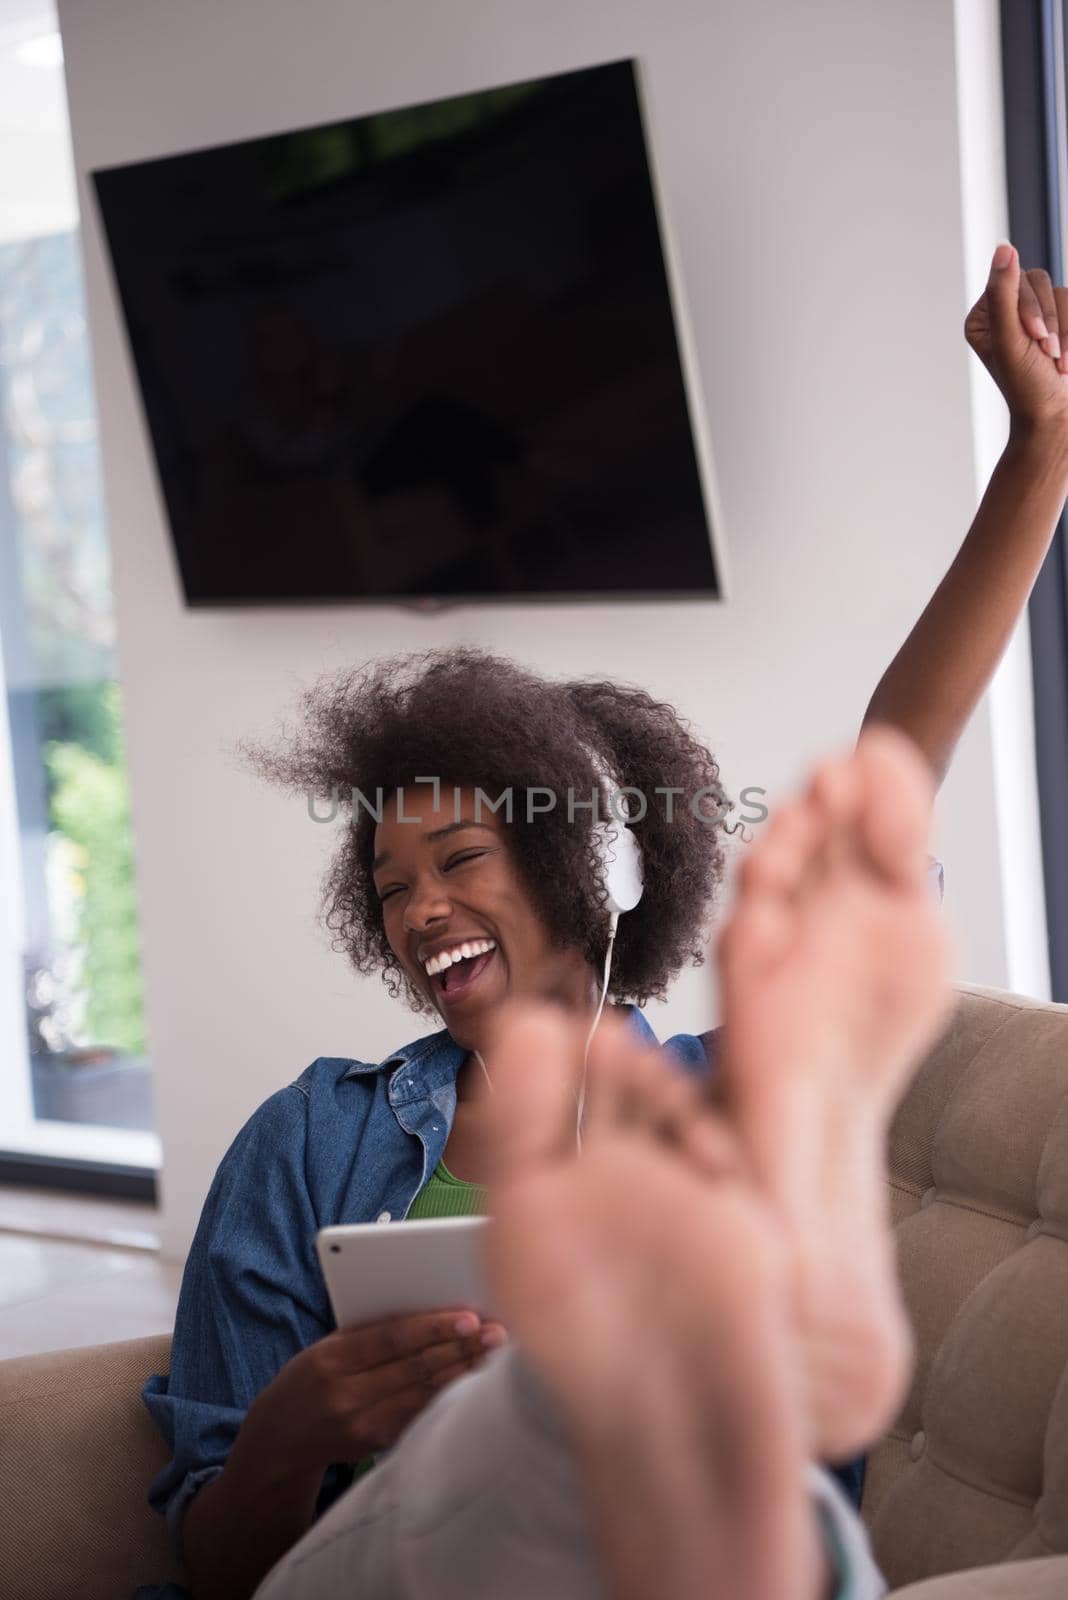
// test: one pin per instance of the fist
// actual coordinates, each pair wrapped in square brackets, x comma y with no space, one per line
[1015,329]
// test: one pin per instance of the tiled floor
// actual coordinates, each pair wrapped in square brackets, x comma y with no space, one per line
[77,1271]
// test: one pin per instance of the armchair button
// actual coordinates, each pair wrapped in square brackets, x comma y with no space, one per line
[918,1445]
[384,1216]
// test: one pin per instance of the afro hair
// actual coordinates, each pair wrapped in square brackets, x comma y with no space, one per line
[475,719]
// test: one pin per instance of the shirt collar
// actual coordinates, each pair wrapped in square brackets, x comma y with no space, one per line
[443,1047]
[639,1026]
[409,1055]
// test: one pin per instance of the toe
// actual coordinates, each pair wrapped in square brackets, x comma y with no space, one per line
[835,791]
[635,1089]
[898,794]
[778,862]
[712,1145]
[630,1086]
[758,933]
[534,1055]
[611,1077]
[670,1101]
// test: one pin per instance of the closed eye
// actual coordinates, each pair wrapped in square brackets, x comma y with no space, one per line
[465,855]
[457,860]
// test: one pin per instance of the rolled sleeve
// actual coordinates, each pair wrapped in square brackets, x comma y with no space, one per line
[252,1297]
[189,1486]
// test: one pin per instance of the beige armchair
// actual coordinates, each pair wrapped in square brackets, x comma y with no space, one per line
[967,1497]
[975,1472]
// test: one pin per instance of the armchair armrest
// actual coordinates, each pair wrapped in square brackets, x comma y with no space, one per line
[1045,1579]
[79,1451]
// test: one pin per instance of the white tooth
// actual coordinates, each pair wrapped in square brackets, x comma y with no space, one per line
[430,967]
[467,951]
[448,957]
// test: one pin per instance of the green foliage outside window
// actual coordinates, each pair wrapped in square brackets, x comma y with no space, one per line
[89,804]
[83,985]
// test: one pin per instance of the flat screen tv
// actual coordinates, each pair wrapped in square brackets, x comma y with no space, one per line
[430,354]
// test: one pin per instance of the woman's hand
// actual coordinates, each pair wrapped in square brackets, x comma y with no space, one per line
[355,1391]
[935,681]
[1015,329]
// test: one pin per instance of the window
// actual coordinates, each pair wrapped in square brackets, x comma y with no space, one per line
[75,1086]
[1036,149]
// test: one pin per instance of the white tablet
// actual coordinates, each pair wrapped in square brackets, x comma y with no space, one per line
[386,1269]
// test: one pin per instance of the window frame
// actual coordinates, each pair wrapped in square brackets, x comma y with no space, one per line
[1034,69]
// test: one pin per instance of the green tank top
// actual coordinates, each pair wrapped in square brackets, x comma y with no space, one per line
[446,1196]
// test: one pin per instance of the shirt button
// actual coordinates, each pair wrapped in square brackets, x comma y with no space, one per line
[918,1445]
[384,1216]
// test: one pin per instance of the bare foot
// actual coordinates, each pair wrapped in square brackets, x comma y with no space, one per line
[653,1296]
[835,969]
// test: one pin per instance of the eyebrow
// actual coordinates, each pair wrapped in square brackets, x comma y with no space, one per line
[438,833]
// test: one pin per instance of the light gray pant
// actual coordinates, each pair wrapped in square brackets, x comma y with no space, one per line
[479,1499]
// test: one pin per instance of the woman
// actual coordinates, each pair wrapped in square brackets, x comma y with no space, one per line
[353,1141]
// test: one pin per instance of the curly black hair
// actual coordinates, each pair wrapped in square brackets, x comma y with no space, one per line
[472,718]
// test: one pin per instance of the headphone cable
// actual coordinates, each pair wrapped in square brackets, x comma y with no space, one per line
[581,1097]
[589,1037]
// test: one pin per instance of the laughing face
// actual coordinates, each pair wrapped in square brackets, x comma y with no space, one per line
[458,916]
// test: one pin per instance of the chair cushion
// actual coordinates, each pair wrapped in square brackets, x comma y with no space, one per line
[976,1469]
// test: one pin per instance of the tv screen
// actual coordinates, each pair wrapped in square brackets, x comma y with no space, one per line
[430,353]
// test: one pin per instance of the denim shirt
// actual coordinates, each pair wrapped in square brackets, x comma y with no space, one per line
[349,1141]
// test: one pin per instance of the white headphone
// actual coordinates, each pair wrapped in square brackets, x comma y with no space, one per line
[620,857]
[618,851]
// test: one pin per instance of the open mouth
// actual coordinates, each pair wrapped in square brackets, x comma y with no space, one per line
[460,978]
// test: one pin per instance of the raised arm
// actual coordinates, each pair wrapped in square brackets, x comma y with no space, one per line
[934,683]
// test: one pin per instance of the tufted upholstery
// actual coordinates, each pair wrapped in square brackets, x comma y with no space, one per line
[976,1470]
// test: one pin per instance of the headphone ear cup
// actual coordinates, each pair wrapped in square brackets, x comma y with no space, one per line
[621,865]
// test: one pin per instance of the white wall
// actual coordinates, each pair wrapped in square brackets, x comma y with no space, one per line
[811,164]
